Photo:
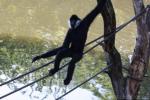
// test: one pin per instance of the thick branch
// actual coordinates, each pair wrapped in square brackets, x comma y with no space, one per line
[111,53]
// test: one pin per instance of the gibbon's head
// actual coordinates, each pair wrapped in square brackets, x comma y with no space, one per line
[74,21]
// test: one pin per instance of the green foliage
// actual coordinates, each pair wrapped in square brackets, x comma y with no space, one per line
[15,59]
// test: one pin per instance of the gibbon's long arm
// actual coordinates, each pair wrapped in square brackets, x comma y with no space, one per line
[91,16]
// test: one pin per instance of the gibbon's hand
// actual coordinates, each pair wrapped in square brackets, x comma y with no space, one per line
[35,58]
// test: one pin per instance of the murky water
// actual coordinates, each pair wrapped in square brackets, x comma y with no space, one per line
[48,16]
[47,19]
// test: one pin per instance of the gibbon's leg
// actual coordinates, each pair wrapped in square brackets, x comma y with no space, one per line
[51,52]
[60,55]
[71,67]
[47,54]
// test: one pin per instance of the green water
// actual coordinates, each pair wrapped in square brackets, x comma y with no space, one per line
[31,27]
[32,18]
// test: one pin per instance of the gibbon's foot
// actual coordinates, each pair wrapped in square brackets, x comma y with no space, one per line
[52,71]
[67,81]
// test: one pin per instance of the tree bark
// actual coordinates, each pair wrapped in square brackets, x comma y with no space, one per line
[111,53]
[140,57]
[127,88]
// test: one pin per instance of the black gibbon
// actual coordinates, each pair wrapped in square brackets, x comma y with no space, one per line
[74,42]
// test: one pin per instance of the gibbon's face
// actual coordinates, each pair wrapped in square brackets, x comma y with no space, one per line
[74,22]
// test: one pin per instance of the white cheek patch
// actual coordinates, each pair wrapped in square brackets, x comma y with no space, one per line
[77,23]
[69,24]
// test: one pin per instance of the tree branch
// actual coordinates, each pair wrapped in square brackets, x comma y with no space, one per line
[111,53]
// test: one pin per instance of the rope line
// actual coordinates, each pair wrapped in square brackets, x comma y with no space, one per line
[41,77]
[117,30]
[26,73]
[111,33]
[36,69]
[84,82]
[46,76]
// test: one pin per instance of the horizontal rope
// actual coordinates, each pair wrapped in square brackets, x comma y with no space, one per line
[45,65]
[36,69]
[24,86]
[111,33]
[20,76]
[103,70]
[117,30]
[38,79]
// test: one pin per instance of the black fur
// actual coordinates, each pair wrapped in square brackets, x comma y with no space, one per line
[74,42]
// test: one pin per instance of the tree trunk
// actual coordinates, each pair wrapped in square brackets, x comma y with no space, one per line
[127,88]
[140,58]
[111,53]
